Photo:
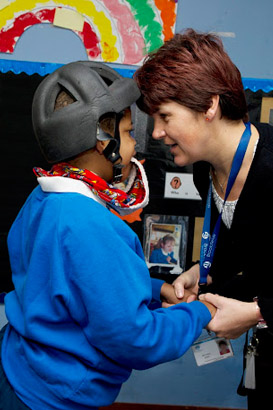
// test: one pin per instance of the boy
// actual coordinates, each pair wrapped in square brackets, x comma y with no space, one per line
[79,317]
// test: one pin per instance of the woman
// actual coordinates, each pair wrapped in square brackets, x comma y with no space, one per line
[195,94]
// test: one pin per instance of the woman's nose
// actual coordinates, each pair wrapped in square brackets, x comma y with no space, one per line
[158,133]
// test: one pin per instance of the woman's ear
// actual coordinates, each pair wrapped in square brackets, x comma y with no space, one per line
[101,145]
[210,114]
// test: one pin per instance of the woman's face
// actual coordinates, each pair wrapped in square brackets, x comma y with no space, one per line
[182,130]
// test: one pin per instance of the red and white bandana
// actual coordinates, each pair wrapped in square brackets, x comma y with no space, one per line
[134,197]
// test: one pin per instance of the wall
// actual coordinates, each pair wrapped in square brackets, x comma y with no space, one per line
[247,28]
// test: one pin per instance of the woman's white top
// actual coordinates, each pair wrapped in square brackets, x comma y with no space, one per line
[229,207]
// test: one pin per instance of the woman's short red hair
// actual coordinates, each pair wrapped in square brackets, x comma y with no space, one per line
[189,69]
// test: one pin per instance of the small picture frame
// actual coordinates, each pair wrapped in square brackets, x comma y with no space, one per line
[267,110]
[165,242]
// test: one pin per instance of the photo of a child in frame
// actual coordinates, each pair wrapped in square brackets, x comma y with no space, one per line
[165,241]
[163,251]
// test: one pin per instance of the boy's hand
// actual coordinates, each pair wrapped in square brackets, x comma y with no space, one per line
[210,307]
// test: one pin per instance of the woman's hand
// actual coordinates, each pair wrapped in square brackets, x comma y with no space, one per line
[232,317]
[187,280]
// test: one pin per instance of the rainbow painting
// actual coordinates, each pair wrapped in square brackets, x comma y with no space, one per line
[114,31]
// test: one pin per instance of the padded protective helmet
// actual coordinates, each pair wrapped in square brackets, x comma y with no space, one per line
[97,90]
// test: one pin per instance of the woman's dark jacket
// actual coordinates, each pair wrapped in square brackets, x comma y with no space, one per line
[243,261]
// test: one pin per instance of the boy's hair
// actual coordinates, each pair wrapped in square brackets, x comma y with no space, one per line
[190,69]
[107,122]
[63,99]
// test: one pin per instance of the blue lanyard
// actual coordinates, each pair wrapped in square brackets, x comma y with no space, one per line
[208,242]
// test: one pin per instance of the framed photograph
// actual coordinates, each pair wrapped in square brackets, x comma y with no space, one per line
[165,242]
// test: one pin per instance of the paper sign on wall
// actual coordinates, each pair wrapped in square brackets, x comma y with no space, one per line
[180,186]
[67,18]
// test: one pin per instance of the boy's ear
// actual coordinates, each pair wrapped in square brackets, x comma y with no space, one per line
[101,145]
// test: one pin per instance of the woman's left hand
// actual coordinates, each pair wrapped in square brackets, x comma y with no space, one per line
[233,317]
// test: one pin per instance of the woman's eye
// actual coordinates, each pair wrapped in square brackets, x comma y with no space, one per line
[132,133]
[164,117]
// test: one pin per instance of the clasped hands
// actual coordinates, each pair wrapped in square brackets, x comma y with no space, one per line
[169,298]
[230,317]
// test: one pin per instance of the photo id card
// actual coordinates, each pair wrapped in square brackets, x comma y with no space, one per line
[211,350]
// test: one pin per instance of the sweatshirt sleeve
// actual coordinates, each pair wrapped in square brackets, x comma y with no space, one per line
[156,288]
[266,306]
[111,290]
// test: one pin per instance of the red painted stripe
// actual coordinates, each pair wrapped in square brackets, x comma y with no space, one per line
[10,36]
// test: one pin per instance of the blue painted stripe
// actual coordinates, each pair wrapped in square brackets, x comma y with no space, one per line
[32,67]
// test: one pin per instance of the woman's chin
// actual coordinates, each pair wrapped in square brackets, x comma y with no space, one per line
[180,160]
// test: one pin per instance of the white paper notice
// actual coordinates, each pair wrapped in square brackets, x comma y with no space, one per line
[180,186]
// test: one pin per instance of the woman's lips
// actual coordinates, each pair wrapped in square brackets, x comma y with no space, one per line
[173,147]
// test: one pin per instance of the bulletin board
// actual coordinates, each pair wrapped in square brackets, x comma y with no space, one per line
[20,153]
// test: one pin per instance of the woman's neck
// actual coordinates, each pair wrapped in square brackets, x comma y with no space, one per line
[226,137]
[221,162]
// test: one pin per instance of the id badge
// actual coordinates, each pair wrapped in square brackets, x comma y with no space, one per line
[211,349]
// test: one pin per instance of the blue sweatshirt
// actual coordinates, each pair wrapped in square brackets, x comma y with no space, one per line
[158,256]
[79,317]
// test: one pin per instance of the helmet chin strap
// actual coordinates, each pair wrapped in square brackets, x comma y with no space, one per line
[111,152]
